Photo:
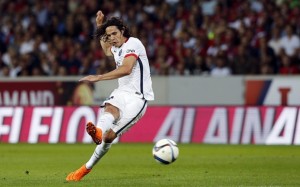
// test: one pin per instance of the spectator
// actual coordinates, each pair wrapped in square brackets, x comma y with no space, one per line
[217,48]
[15,67]
[62,71]
[4,71]
[244,63]
[287,67]
[221,69]
[200,66]
[267,54]
[9,55]
[274,42]
[290,42]
[266,69]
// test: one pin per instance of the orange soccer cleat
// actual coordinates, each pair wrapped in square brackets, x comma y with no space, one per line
[78,174]
[94,132]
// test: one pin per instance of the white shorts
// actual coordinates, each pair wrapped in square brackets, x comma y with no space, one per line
[131,106]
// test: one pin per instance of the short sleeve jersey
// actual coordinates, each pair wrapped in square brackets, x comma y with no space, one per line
[139,81]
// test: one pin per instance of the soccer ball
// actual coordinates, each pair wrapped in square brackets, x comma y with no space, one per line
[165,151]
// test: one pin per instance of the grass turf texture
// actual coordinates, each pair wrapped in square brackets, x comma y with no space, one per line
[133,165]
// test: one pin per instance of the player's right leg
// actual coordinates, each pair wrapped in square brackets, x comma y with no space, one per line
[105,123]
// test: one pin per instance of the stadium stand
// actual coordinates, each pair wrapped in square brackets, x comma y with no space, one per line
[247,37]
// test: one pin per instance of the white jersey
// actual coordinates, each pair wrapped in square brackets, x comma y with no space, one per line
[139,81]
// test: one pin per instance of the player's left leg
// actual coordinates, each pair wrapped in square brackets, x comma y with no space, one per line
[105,123]
[78,174]
[99,152]
[135,109]
[101,149]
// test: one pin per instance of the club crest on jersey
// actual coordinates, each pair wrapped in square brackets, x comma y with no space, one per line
[120,52]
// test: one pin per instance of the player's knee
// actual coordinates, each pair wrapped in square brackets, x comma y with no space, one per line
[109,136]
[113,110]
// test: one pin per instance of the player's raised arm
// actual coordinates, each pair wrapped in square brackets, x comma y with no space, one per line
[104,40]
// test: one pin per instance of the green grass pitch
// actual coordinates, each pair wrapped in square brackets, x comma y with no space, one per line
[133,165]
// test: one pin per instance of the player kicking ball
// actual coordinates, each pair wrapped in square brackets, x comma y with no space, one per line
[126,104]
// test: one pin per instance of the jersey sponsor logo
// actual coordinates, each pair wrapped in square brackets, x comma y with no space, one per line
[120,52]
[130,51]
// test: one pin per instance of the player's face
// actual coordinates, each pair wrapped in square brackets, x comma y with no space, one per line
[114,36]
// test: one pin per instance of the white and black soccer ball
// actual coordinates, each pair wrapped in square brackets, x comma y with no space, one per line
[165,151]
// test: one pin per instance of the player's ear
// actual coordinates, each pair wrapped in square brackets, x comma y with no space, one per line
[123,30]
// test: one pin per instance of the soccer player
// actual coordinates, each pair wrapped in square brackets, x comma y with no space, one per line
[126,104]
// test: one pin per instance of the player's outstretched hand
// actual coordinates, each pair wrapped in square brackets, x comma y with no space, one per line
[99,18]
[90,78]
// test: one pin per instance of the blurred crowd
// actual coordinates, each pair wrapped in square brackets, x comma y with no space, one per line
[182,37]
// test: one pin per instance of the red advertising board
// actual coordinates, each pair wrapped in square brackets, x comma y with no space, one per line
[213,125]
[42,93]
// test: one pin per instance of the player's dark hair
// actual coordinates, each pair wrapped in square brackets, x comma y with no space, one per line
[113,21]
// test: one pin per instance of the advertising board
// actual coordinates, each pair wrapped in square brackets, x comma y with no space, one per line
[211,124]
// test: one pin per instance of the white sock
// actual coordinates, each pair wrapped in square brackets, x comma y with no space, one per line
[99,152]
[105,121]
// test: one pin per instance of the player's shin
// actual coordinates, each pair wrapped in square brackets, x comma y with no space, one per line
[99,152]
[105,122]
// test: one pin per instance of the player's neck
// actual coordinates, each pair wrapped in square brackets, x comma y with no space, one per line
[124,40]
